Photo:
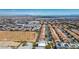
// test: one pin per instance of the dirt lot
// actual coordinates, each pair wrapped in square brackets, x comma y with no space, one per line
[17,36]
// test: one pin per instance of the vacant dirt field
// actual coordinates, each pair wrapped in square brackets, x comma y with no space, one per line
[18,36]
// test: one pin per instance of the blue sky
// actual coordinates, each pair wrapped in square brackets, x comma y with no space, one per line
[43,12]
